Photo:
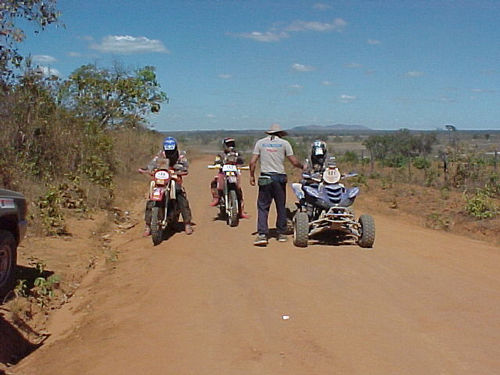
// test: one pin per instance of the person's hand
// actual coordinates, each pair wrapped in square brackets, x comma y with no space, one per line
[252,180]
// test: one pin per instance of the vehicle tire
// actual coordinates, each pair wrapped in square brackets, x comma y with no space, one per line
[301,229]
[233,217]
[8,261]
[367,228]
[156,227]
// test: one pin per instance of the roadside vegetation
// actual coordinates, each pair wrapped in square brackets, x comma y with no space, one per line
[65,144]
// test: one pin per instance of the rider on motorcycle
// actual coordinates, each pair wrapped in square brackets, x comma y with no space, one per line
[178,161]
[229,154]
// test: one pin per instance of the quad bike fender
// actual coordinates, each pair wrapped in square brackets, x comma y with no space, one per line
[352,192]
[313,192]
[297,189]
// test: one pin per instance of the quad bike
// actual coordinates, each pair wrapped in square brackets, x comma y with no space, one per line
[165,209]
[229,205]
[325,205]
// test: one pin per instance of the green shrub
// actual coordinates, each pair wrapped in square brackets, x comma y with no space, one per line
[421,163]
[480,205]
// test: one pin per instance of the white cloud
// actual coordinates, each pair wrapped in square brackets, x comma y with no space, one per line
[327,83]
[489,91]
[266,37]
[415,74]
[322,6]
[346,98]
[74,54]
[303,68]
[44,59]
[373,41]
[225,76]
[211,116]
[338,24]
[275,35]
[295,86]
[126,44]
[47,72]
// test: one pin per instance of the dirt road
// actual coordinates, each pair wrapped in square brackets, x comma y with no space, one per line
[419,302]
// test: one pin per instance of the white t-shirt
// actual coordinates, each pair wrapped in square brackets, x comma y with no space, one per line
[272,151]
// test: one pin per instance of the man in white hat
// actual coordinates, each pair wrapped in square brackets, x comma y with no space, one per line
[272,151]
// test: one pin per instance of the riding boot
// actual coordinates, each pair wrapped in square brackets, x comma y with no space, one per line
[241,210]
[215,196]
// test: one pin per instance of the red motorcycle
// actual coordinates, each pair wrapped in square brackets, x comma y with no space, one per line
[165,210]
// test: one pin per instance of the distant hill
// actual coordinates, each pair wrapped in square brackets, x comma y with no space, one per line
[329,128]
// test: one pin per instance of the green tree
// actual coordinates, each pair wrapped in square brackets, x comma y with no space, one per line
[41,12]
[116,98]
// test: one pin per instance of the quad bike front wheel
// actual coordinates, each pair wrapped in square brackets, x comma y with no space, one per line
[300,229]
[367,228]
[233,216]
[156,225]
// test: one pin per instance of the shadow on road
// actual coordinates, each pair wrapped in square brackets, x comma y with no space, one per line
[330,238]
[13,345]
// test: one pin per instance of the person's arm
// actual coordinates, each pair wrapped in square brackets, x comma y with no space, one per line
[253,164]
[290,156]
[295,162]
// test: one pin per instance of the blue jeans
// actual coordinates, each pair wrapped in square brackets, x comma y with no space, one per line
[275,190]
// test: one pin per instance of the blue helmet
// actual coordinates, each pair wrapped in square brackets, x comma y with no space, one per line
[169,146]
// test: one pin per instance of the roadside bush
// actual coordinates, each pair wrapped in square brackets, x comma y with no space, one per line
[480,205]
[421,163]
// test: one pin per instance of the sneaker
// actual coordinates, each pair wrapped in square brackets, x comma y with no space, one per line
[188,229]
[260,240]
[244,215]
[147,232]
[282,237]
[215,202]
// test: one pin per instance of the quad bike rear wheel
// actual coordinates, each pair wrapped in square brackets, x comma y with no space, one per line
[300,229]
[367,228]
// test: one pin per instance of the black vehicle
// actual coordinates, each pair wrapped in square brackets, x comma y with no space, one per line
[12,229]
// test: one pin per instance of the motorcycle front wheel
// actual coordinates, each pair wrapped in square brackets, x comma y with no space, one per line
[156,225]
[232,217]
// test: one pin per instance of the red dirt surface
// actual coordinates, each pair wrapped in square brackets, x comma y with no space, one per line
[420,302]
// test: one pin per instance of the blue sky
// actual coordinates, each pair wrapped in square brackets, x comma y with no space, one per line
[244,64]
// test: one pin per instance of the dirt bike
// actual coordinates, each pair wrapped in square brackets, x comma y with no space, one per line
[165,209]
[229,206]
[325,205]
